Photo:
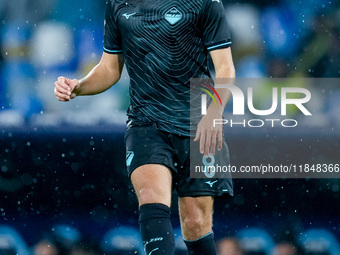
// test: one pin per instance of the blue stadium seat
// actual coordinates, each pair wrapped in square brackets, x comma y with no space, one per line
[319,241]
[332,106]
[3,101]
[255,241]
[251,67]
[89,41]
[17,74]
[279,31]
[52,48]
[66,233]
[122,240]
[11,243]
[20,79]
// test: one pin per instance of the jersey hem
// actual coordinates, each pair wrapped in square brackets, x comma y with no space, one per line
[206,193]
[154,160]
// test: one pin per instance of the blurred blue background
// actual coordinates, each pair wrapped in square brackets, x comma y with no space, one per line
[63,186]
[41,40]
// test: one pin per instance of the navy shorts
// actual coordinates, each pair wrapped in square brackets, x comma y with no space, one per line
[149,145]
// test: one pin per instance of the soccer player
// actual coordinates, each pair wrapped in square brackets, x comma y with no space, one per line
[165,44]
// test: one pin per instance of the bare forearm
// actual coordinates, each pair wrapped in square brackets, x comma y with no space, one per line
[224,75]
[99,79]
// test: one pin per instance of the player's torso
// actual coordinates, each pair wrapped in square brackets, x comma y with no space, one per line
[168,28]
[163,50]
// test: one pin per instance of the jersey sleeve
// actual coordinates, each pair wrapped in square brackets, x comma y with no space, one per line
[214,25]
[112,36]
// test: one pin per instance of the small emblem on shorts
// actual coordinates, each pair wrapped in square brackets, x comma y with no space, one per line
[173,16]
[129,157]
[209,164]
[210,183]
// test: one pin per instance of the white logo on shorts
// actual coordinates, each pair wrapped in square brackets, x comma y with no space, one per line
[209,166]
[211,183]
[129,157]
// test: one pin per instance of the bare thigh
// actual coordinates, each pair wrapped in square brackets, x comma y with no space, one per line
[152,184]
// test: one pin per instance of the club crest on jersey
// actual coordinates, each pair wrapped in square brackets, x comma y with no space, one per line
[173,16]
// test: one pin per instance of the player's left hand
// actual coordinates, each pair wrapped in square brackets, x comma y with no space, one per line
[207,134]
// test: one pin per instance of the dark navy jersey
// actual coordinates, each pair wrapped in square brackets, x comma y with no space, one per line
[165,43]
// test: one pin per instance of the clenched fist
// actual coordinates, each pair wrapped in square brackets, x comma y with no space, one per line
[64,89]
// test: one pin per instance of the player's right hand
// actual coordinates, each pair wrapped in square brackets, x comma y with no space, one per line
[64,88]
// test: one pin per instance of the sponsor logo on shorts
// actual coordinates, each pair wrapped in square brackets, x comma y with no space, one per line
[210,183]
[209,164]
[129,157]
